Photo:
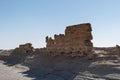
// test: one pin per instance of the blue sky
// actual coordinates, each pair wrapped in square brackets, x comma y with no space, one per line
[23,21]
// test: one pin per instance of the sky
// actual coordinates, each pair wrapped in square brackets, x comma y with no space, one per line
[30,21]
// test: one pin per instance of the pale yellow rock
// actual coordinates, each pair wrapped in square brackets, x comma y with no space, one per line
[75,42]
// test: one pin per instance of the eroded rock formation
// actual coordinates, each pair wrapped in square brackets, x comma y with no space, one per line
[24,48]
[75,42]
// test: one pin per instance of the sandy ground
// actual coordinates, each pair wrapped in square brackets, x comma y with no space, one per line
[16,73]
[13,72]
[44,67]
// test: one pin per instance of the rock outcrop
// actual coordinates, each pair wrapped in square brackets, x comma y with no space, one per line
[118,49]
[24,48]
[20,54]
[75,42]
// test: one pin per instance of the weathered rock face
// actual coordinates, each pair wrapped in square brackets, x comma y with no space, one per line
[25,48]
[75,42]
[118,49]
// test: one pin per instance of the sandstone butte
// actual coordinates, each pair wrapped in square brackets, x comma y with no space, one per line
[75,42]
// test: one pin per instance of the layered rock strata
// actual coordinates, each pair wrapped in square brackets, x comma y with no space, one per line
[75,42]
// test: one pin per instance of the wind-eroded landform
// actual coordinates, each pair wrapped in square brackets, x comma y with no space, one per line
[69,56]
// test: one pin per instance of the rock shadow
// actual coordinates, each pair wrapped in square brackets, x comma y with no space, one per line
[66,68]
[45,67]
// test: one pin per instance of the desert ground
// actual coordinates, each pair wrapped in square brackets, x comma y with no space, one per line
[13,72]
[39,66]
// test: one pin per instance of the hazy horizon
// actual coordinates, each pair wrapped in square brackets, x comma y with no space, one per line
[30,21]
